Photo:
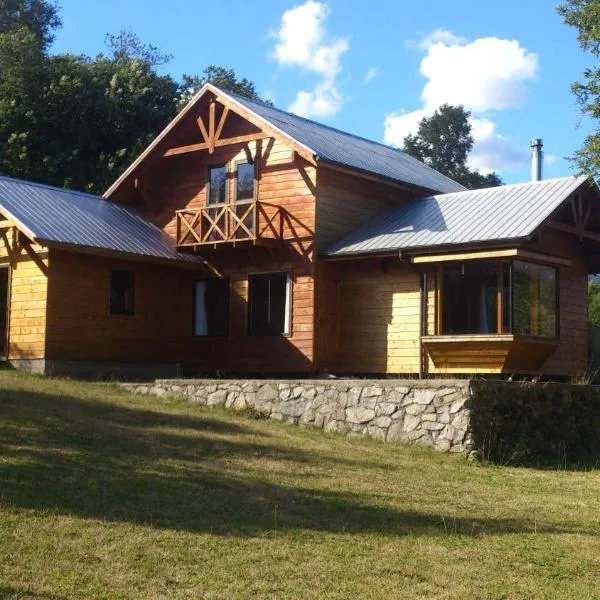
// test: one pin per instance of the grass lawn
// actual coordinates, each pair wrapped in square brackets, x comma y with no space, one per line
[107,495]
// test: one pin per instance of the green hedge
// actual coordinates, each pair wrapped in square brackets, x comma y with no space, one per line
[550,424]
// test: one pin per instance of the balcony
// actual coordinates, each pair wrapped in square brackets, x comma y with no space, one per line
[243,223]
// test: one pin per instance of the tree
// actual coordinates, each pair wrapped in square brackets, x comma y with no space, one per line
[594,302]
[223,78]
[443,141]
[74,121]
[584,15]
[37,16]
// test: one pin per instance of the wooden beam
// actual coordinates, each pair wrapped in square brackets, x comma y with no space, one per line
[240,139]
[590,235]
[211,127]
[493,255]
[26,245]
[221,123]
[6,224]
[202,128]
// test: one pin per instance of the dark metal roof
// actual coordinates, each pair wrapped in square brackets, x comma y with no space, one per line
[508,212]
[344,149]
[63,217]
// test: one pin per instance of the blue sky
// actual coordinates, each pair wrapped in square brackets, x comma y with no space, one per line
[375,68]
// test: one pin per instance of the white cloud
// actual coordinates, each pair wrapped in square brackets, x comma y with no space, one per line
[302,41]
[324,101]
[438,36]
[369,75]
[493,151]
[487,74]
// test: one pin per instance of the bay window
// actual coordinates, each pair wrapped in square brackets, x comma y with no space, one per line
[493,297]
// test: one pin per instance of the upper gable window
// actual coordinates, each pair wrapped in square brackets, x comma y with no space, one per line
[245,176]
[217,184]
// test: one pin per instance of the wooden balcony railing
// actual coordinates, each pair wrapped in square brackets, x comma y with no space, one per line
[227,223]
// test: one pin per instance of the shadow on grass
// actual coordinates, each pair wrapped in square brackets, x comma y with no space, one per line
[92,459]
[11,593]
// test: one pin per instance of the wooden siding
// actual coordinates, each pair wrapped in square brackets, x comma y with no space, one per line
[27,300]
[345,201]
[286,185]
[379,312]
[80,326]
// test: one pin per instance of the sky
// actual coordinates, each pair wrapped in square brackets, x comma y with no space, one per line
[375,68]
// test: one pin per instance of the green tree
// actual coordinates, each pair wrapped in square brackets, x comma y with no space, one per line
[40,17]
[594,302]
[223,78]
[443,141]
[584,15]
[78,122]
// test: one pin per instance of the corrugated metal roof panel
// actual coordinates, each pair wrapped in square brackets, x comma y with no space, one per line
[339,147]
[60,216]
[486,215]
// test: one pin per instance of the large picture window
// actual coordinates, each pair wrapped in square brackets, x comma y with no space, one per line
[478,298]
[122,293]
[534,299]
[269,304]
[211,307]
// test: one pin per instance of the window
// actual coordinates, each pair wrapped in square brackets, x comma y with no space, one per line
[269,304]
[244,198]
[473,298]
[122,293]
[211,307]
[244,182]
[534,299]
[217,184]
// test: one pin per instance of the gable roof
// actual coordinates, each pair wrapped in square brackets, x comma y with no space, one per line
[510,212]
[54,216]
[345,149]
[324,143]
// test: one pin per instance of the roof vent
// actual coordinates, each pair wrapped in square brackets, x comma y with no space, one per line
[537,157]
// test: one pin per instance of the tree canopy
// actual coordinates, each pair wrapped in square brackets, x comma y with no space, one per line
[75,121]
[443,141]
[584,15]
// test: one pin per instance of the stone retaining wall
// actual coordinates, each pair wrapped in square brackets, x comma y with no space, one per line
[433,413]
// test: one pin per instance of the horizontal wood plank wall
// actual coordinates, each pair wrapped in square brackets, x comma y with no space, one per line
[379,312]
[80,326]
[345,201]
[28,295]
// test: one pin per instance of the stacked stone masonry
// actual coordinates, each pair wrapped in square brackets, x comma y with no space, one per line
[431,413]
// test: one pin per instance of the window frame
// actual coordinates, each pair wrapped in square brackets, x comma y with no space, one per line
[438,296]
[289,303]
[194,308]
[236,164]
[133,312]
[225,166]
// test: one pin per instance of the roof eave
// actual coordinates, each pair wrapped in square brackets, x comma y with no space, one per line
[422,250]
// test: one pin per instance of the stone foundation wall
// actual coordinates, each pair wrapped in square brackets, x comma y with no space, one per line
[432,413]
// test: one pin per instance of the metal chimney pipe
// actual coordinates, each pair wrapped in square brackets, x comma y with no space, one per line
[536,159]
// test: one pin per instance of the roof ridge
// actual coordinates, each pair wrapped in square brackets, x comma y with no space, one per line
[49,187]
[509,185]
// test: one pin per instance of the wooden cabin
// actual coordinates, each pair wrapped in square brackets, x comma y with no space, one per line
[246,239]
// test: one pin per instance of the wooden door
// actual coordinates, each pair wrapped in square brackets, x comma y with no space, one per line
[4,288]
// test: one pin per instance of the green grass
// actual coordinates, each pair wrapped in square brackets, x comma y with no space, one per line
[107,495]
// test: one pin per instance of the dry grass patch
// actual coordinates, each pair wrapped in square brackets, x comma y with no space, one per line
[107,495]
